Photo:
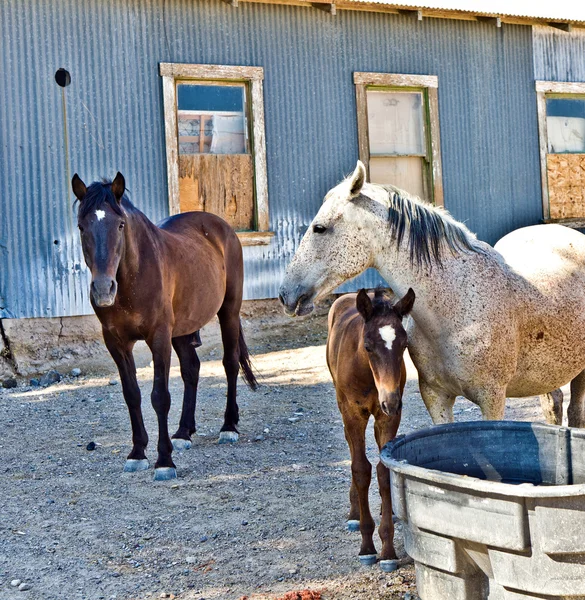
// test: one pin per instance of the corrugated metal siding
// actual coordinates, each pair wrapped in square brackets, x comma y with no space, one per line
[558,55]
[112,49]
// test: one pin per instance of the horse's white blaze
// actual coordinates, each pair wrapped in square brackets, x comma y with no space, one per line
[388,334]
[100,214]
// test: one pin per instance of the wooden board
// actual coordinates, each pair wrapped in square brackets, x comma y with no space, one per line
[222,184]
[566,185]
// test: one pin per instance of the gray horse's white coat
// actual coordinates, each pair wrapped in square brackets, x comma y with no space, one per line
[488,322]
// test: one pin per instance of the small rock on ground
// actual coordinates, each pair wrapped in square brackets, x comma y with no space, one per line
[49,378]
[9,383]
[75,372]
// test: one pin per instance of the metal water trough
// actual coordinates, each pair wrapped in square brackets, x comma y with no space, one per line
[492,509]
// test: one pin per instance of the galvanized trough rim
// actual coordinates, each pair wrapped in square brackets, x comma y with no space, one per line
[467,483]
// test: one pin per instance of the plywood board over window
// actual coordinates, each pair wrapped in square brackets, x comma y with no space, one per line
[216,154]
[561,120]
[398,132]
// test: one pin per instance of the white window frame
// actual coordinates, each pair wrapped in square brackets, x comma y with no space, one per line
[429,84]
[253,76]
[542,89]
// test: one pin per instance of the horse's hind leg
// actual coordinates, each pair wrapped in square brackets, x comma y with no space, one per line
[229,321]
[385,429]
[185,348]
[575,410]
[122,355]
[552,407]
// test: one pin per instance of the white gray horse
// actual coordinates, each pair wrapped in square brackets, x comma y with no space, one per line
[488,322]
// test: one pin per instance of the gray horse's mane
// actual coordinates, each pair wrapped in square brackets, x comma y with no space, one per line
[431,230]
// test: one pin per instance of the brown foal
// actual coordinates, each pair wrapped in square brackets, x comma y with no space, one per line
[365,348]
[162,284]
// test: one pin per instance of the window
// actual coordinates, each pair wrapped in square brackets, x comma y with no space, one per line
[216,155]
[398,132]
[561,120]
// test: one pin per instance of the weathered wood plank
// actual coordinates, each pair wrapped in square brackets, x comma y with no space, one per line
[210,71]
[436,163]
[222,184]
[362,125]
[393,79]
[171,143]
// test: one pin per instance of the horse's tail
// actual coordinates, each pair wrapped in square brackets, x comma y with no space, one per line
[246,363]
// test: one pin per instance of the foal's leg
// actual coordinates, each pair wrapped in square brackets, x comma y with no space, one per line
[575,410]
[160,345]
[229,321]
[385,429]
[185,348]
[361,477]
[438,403]
[122,355]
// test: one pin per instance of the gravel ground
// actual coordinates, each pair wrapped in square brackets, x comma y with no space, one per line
[257,519]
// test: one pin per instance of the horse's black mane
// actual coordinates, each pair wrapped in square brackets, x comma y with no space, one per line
[430,229]
[99,193]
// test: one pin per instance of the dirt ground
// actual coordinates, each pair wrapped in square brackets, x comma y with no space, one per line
[258,519]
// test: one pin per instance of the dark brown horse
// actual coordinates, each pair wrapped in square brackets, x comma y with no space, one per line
[162,284]
[365,349]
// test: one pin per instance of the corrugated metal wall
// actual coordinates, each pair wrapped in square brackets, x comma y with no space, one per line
[559,55]
[113,48]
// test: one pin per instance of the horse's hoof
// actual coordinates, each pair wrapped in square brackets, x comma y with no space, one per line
[165,473]
[353,525]
[228,437]
[180,444]
[133,465]
[368,559]
[388,565]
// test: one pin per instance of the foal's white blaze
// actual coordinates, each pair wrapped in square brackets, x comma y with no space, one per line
[388,334]
[100,214]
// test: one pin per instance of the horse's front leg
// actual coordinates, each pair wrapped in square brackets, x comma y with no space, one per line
[385,429]
[122,354]
[160,345]
[438,402]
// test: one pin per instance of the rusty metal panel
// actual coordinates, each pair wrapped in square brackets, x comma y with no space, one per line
[115,120]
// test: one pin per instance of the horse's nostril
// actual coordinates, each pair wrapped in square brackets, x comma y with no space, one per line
[113,287]
[280,298]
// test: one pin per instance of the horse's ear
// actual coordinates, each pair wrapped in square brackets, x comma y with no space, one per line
[357,180]
[78,187]
[364,305]
[118,187]
[404,305]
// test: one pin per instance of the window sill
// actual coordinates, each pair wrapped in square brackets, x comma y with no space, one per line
[255,238]
[575,223]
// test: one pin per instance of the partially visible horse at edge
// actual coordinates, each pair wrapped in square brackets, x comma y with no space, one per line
[488,322]
[162,284]
[365,349]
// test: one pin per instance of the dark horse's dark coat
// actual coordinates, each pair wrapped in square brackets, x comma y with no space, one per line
[162,284]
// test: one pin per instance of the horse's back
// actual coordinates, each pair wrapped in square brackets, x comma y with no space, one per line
[544,252]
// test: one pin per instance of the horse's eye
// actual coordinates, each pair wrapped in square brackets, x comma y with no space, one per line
[368,347]
[122,225]
[319,229]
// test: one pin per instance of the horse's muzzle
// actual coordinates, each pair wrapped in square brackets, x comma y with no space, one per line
[295,305]
[103,291]
[391,404]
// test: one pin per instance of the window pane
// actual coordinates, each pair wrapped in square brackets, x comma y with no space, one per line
[211,119]
[565,122]
[395,122]
[404,172]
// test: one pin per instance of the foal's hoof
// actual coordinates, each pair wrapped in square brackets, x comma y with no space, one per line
[180,444]
[388,565]
[353,525]
[368,559]
[133,465]
[228,437]
[165,473]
